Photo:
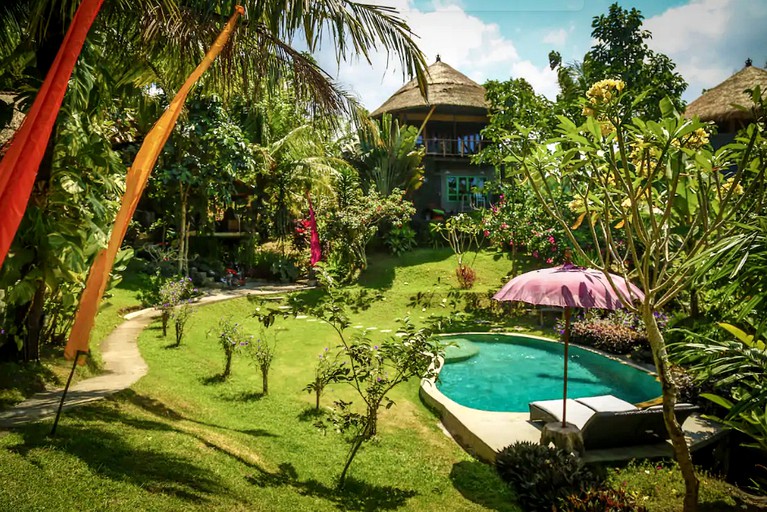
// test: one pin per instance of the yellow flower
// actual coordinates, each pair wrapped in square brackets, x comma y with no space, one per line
[587,111]
[727,185]
[576,205]
[695,140]
[604,90]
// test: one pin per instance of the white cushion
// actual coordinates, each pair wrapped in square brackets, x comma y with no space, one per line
[606,403]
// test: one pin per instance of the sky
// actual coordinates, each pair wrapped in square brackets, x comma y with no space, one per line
[709,40]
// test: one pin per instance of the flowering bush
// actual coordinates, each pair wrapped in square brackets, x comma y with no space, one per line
[231,338]
[618,332]
[348,228]
[518,224]
[180,316]
[173,293]
[261,352]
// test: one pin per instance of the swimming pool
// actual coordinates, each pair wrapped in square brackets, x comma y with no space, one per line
[509,371]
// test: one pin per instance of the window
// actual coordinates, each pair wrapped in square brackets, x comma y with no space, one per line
[460,187]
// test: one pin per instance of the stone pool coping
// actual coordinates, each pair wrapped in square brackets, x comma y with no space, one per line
[483,433]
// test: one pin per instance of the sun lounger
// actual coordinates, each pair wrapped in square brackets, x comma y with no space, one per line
[607,421]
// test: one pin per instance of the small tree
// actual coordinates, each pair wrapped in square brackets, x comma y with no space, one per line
[172,293]
[180,316]
[375,368]
[230,337]
[329,369]
[261,352]
[660,184]
[461,233]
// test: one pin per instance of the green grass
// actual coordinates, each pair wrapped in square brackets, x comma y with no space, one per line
[183,439]
[18,381]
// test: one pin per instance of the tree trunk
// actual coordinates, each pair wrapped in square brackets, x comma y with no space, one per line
[228,368]
[317,393]
[372,424]
[182,228]
[265,380]
[694,303]
[681,450]
[35,321]
[165,318]
[352,453]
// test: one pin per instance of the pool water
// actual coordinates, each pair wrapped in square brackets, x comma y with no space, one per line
[508,372]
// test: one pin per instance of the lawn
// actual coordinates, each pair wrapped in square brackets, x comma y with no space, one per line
[18,382]
[183,439]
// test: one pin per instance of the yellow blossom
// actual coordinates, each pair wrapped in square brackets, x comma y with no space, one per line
[604,90]
[695,140]
[727,185]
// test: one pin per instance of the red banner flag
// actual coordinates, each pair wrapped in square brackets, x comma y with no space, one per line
[315,236]
[138,174]
[18,168]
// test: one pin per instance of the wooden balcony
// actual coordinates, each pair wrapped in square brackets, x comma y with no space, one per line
[460,147]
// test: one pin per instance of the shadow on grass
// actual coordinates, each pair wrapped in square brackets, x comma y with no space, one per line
[171,346]
[111,455]
[310,413]
[478,482]
[244,396]
[213,379]
[18,381]
[379,275]
[160,409]
[356,495]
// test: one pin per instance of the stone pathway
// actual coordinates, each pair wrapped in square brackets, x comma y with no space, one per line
[123,364]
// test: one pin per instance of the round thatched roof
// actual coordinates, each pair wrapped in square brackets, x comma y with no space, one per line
[447,87]
[716,104]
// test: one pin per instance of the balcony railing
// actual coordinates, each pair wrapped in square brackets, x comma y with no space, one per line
[463,146]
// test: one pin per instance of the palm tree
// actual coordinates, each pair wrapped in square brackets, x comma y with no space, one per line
[158,42]
[386,155]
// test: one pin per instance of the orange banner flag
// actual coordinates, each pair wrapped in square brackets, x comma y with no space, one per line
[135,182]
[18,168]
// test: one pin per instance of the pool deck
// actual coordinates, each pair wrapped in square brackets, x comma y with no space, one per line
[483,433]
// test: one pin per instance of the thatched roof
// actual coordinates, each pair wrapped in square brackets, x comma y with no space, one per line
[716,104]
[447,87]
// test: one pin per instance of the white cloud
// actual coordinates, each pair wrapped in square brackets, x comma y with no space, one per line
[709,40]
[555,37]
[465,42]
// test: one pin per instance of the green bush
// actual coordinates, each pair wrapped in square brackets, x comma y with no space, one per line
[400,239]
[542,476]
[601,500]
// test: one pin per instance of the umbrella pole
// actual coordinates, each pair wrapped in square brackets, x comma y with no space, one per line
[567,346]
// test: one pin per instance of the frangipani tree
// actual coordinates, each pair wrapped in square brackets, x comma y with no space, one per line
[653,195]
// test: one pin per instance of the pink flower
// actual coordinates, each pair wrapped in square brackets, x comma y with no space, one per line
[535,254]
[552,241]
[504,226]
[549,261]
[487,233]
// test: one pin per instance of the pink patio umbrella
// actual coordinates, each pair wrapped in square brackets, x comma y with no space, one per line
[569,286]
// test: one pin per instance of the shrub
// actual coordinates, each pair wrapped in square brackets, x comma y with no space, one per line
[618,332]
[172,293]
[400,239]
[601,500]
[180,316]
[261,353]
[541,475]
[466,276]
[230,337]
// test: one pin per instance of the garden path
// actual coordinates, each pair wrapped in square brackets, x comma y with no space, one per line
[123,364]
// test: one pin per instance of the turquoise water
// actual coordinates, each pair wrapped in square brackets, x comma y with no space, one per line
[511,371]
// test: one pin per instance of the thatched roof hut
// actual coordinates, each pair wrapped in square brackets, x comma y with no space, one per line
[716,104]
[448,89]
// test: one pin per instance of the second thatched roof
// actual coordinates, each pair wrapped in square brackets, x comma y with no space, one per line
[447,87]
[716,104]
